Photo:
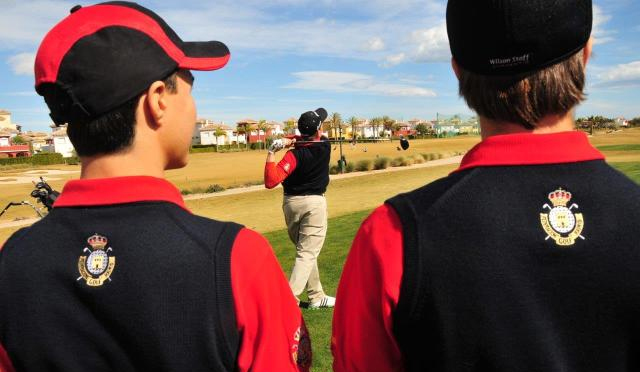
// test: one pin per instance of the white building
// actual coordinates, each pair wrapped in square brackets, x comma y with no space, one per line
[621,122]
[204,134]
[4,140]
[62,143]
[208,135]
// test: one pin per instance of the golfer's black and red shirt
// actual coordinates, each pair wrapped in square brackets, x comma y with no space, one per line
[182,292]
[304,170]
[481,270]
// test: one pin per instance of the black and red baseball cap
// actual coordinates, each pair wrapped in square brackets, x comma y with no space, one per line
[101,56]
[511,37]
[310,121]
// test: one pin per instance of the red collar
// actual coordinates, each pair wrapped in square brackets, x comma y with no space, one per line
[530,149]
[118,190]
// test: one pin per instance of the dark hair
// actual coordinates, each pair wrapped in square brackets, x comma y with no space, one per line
[526,99]
[113,131]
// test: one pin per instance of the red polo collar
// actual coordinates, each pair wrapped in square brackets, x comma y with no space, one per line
[530,149]
[118,190]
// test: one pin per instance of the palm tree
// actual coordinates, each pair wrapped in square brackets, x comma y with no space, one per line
[219,132]
[289,126]
[336,122]
[353,122]
[395,127]
[241,129]
[262,126]
[376,123]
[388,123]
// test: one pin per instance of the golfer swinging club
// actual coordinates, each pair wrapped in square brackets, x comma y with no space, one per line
[304,173]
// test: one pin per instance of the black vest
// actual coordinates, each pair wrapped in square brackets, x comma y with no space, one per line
[167,304]
[311,175]
[487,288]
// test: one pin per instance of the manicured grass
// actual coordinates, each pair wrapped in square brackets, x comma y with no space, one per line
[340,234]
[628,147]
[631,169]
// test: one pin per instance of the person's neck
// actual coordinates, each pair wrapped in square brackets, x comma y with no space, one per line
[122,164]
[548,124]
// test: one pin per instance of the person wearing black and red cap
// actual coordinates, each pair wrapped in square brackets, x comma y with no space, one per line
[523,259]
[304,174]
[120,276]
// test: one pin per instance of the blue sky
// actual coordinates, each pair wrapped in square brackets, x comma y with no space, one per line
[357,57]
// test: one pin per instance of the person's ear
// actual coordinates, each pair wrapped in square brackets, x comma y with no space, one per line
[156,101]
[588,48]
[455,67]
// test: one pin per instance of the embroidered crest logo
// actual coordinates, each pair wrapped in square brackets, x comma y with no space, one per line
[561,223]
[97,263]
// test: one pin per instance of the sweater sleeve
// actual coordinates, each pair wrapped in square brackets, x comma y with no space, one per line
[5,362]
[273,334]
[367,295]
[274,174]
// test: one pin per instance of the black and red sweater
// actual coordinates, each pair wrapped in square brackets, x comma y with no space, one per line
[524,259]
[121,276]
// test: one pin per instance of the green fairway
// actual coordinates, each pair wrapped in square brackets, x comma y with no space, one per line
[631,169]
[340,235]
[631,147]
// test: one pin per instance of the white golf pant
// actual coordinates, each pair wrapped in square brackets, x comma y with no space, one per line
[306,218]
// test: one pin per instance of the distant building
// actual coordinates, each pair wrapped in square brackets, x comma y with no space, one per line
[255,135]
[61,142]
[405,129]
[621,122]
[38,140]
[456,125]
[5,121]
[204,134]
[8,149]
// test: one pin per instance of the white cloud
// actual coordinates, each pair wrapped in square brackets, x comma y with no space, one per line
[374,44]
[394,59]
[432,44]
[600,19]
[303,27]
[22,64]
[21,94]
[332,81]
[24,23]
[620,75]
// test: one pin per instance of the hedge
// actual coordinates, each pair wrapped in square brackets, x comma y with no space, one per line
[47,158]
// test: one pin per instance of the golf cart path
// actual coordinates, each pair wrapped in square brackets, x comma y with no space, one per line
[248,189]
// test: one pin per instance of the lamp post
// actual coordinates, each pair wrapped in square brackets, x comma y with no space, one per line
[343,162]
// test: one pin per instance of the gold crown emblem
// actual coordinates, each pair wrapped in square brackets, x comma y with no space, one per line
[560,197]
[97,241]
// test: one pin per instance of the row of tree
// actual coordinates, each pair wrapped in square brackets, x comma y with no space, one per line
[601,122]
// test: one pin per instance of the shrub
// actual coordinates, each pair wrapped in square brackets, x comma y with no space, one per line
[214,188]
[334,169]
[197,149]
[398,162]
[12,161]
[381,163]
[350,167]
[417,159]
[439,156]
[47,158]
[363,165]
[401,161]
[74,160]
